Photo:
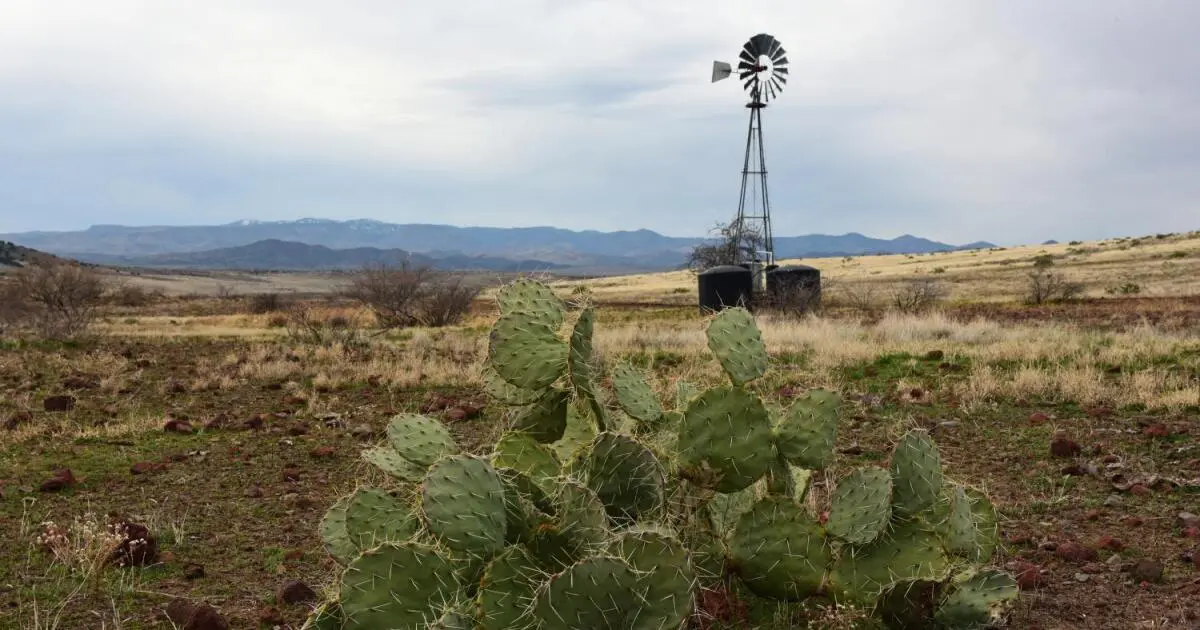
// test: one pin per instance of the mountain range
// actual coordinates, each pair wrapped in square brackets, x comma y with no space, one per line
[326,244]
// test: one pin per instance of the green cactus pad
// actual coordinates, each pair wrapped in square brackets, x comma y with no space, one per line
[579,357]
[386,458]
[634,394]
[519,451]
[462,501]
[420,439]
[532,298]
[505,392]
[506,591]
[807,434]
[333,533]
[578,434]
[916,473]
[779,480]
[735,339]
[910,551]
[525,505]
[665,578]
[724,510]
[454,619]
[581,516]
[909,604]
[374,517]
[545,420]
[597,593]
[527,352]
[684,393]
[778,550]
[987,525]
[626,476]
[978,599]
[552,548]
[327,616]
[401,585]
[725,439]
[861,505]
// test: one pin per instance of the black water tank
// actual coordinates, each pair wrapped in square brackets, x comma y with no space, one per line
[795,286]
[725,286]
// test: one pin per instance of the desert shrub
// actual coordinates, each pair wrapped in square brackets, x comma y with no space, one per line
[409,295]
[729,246]
[55,299]
[305,325]
[862,297]
[261,303]
[1127,288]
[1045,285]
[916,296]
[131,295]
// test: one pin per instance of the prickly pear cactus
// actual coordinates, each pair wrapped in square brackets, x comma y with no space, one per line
[626,476]
[665,575]
[909,551]
[462,502]
[725,439]
[546,419]
[779,550]
[420,439]
[532,298]
[506,591]
[397,585]
[738,345]
[861,506]
[635,395]
[389,461]
[977,599]
[916,473]
[526,455]
[807,434]
[527,352]
[374,517]
[598,593]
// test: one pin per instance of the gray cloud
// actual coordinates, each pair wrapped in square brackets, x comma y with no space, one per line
[1008,121]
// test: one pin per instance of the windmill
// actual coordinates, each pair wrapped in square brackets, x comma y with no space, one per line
[762,69]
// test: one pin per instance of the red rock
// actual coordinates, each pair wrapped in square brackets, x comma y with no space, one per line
[1038,418]
[1093,514]
[1157,430]
[1075,552]
[189,616]
[1029,576]
[60,480]
[178,426]
[58,403]
[17,419]
[295,593]
[1147,570]
[270,616]
[297,430]
[1110,543]
[1191,532]
[1110,459]
[1062,446]
[323,451]
[291,473]
[1133,521]
[142,468]
[193,571]
[1139,490]
[293,555]
[253,423]
[138,546]
[1099,412]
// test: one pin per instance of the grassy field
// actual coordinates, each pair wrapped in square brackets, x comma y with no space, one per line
[229,438]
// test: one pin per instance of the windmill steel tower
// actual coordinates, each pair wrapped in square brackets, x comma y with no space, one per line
[762,68]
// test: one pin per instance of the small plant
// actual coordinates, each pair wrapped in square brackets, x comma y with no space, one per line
[585,515]
[1128,288]
[261,303]
[917,296]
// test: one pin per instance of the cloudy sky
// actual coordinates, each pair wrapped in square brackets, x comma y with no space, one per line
[1006,120]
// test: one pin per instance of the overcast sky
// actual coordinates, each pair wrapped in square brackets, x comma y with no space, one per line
[1009,120]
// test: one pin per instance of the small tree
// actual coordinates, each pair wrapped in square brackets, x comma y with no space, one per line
[59,298]
[1046,285]
[394,294]
[730,247]
[917,296]
[447,301]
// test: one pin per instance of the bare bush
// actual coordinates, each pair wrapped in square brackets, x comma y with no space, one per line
[261,303]
[730,247]
[225,291]
[1050,286]
[800,300]
[917,296]
[58,300]
[406,296]
[305,324]
[862,297]
[14,310]
[131,295]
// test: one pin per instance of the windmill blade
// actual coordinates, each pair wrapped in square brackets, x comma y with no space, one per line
[777,84]
[782,61]
[748,56]
[778,54]
[761,44]
[751,81]
[780,69]
[776,49]
[743,75]
[770,91]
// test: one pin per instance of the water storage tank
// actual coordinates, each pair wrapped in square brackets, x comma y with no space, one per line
[725,286]
[795,287]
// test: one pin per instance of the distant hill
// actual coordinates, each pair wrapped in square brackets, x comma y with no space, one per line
[13,255]
[277,255]
[623,251]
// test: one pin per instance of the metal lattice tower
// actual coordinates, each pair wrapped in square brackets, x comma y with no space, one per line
[762,68]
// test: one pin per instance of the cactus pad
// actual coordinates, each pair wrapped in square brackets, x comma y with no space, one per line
[505,392]
[909,604]
[579,357]
[462,500]
[532,298]
[779,478]
[400,585]
[506,591]
[626,476]
[725,439]
[525,505]
[334,535]
[420,439]
[524,454]
[665,575]
[978,600]
[861,506]
[725,509]
[778,550]
[635,395]
[910,551]
[581,516]
[546,419]
[597,593]
[735,339]
[916,473]
[578,434]
[807,434]
[386,458]
[374,517]
[327,616]
[527,352]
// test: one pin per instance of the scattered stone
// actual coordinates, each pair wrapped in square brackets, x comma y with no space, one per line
[1075,552]
[295,593]
[323,451]
[1062,446]
[1093,568]
[1191,532]
[295,400]
[293,555]
[1133,521]
[1074,470]
[189,616]
[291,473]
[935,355]
[1093,514]
[1099,412]
[362,431]
[138,546]
[1110,459]
[271,617]
[1147,570]
[254,423]
[1048,545]
[948,424]
[142,468]
[1186,519]
[1110,543]
[1157,430]
[58,403]
[60,480]
[1038,418]
[193,571]
[1029,576]
[179,426]
[17,419]
[297,430]
[1139,490]
[1082,577]
[254,493]
[1113,500]
[220,421]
